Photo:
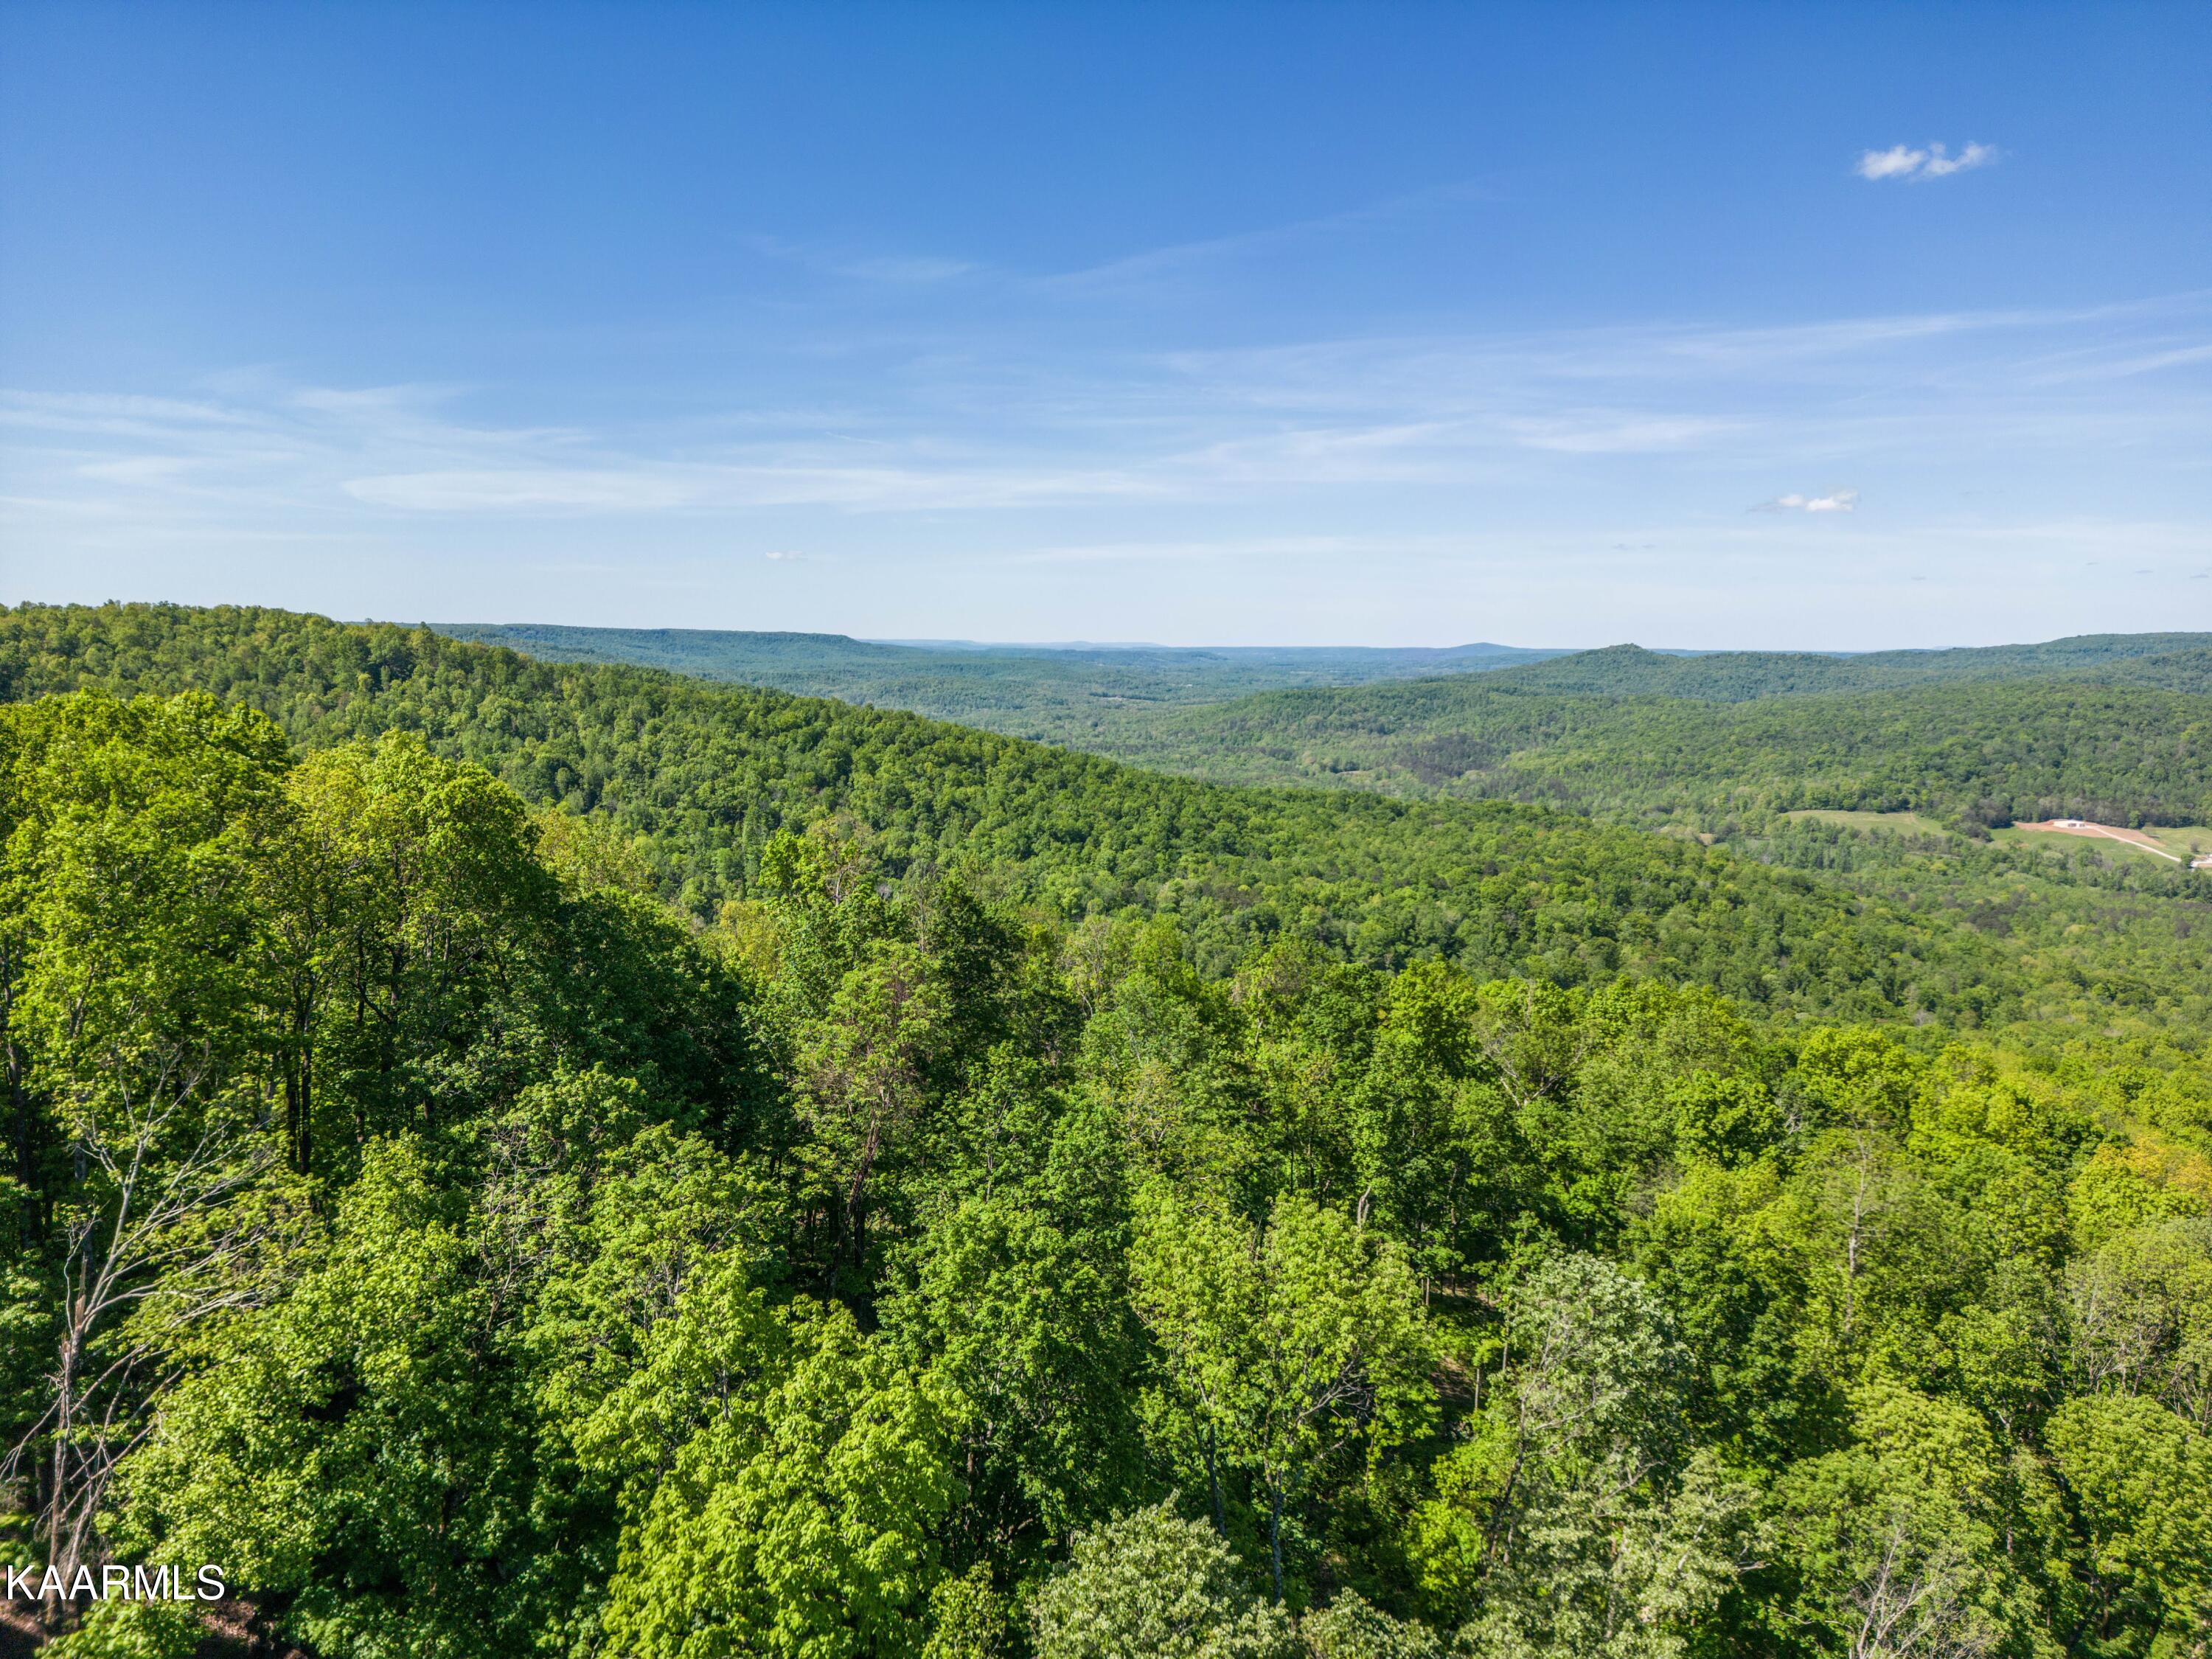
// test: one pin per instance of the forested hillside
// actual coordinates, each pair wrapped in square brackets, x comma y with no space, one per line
[1974,752]
[515,1158]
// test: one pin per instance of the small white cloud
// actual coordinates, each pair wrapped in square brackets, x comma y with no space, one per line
[1835,500]
[1941,166]
[782,553]
[1915,166]
[1896,163]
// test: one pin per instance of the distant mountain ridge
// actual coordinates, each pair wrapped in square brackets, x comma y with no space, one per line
[1742,676]
[1062,694]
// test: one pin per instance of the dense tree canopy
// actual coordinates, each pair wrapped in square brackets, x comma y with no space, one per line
[893,1250]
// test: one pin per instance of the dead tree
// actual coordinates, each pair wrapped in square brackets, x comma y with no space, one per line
[156,1242]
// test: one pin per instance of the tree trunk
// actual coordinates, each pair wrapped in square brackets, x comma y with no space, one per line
[1275,1537]
[1213,1482]
[856,1198]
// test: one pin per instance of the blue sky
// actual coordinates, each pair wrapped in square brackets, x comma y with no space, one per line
[1381,323]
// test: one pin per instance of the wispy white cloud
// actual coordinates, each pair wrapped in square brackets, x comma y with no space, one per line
[1140,273]
[1896,162]
[1834,501]
[1370,428]
[648,487]
[2151,362]
[138,470]
[1914,165]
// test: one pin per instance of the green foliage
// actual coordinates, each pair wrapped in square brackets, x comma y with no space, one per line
[361,1447]
[797,1521]
[1018,1304]
[1576,1513]
[2142,1480]
[131,1630]
[1739,676]
[1349,1628]
[967,1617]
[2141,1315]
[1286,1348]
[1899,1540]
[1156,1585]
[816,1195]
[1080,695]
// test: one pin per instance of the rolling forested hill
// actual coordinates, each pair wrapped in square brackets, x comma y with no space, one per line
[1055,692]
[514,1158]
[1738,676]
[702,776]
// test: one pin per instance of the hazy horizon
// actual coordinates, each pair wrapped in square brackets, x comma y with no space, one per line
[971,643]
[1271,645]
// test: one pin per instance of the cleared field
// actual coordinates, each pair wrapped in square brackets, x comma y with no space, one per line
[2169,843]
[1906,824]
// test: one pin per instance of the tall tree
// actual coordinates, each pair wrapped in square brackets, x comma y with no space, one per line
[1285,1346]
[1155,1584]
[1576,1512]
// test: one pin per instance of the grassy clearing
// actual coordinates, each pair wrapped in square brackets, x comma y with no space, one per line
[2189,840]
[1906,824]
[2186,842]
